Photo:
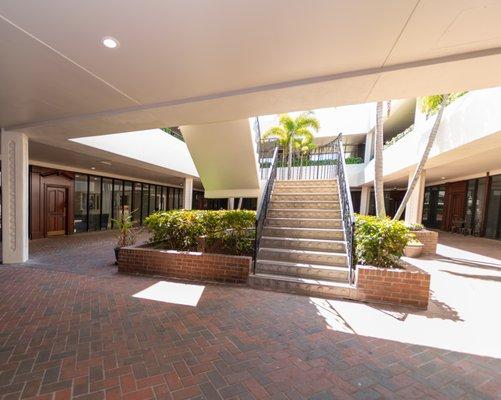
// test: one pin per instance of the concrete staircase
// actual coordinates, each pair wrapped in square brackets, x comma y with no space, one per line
[302,248]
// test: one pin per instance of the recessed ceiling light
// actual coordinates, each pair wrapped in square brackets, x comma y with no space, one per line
[109,42]
[443,177]
[92,167]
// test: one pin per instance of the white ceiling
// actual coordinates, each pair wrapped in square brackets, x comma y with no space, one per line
[196,61]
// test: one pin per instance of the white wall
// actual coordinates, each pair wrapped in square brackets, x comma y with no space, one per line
[225,156]
[473,116]
[152,146]
[350,120]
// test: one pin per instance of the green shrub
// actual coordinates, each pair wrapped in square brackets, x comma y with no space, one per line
[380,241]
[233,231]
[354,160]
[414,226]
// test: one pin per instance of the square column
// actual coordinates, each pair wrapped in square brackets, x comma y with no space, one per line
[14,197]
[231,203]
[188,193]
[365,198]
[414,208]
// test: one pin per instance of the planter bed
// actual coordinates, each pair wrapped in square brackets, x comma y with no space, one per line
[429,240]
[409,285]
[184,264]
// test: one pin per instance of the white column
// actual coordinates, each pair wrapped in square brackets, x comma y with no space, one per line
[188,193]
[414,208]
[365,198]
[231,203]
[14,197]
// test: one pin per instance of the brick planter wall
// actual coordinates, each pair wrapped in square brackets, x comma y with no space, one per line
[184,265]
[409,286]
[429,240]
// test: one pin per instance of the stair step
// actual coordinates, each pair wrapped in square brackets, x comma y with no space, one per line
[305,222]
[305,182]
[304,196]
[320,204]
[302,213]
[309,287]
[302,256]
[305,189]
[338,246]
[302,270]
[306,233]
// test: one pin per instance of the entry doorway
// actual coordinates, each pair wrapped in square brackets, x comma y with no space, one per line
[56,200]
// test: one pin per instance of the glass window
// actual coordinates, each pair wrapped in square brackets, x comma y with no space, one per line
[493,221]
[171,198]
[127,198]
[176,198]
[80,203]
[479,206]
[144,210]
[158,196]
[94,203]
[164,198]
[152,199]
[181,198]
[136,216]
[117,198]
[469,208]
[106,203]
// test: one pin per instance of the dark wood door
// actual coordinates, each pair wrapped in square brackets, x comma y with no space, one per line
[56,211]
[455,196]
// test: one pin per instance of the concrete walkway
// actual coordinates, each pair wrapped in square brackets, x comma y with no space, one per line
[70,326]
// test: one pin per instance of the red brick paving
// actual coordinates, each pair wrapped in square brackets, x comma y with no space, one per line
[69,327]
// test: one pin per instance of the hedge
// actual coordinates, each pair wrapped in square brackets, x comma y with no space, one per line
[232,230]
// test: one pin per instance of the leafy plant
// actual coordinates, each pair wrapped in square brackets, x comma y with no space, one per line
[380,241]
[414,242]
[231,231]
[431,104]
[126,232]
[294,133]
[414,226]
[354,160]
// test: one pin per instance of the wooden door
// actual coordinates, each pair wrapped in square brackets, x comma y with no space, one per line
[56,210]
[455,197]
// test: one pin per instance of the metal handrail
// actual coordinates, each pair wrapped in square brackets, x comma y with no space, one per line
[323,162]
[263,205]
[346,209]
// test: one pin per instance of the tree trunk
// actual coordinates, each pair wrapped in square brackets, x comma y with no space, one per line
[378,162]
[289,163]
[424,158]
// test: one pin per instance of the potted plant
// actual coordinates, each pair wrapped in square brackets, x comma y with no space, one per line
[126,233]
[413,249]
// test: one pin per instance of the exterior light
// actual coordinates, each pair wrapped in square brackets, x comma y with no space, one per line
[109,42]
[443,177]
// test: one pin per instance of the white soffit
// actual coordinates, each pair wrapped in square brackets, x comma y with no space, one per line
[190,62]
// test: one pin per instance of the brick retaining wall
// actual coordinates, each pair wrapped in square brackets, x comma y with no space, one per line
[409,286]
[184,265]
[429,240]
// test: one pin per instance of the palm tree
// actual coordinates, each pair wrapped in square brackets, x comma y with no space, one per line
[428,105]
[293,130]
[378,161]
[304,146]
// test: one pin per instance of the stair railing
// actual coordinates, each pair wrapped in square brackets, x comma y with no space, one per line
[263,204]
[347,213]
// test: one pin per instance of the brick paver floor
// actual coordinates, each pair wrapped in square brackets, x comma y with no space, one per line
[70,327]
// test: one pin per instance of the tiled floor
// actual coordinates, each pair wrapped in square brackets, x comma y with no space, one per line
[70,327]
